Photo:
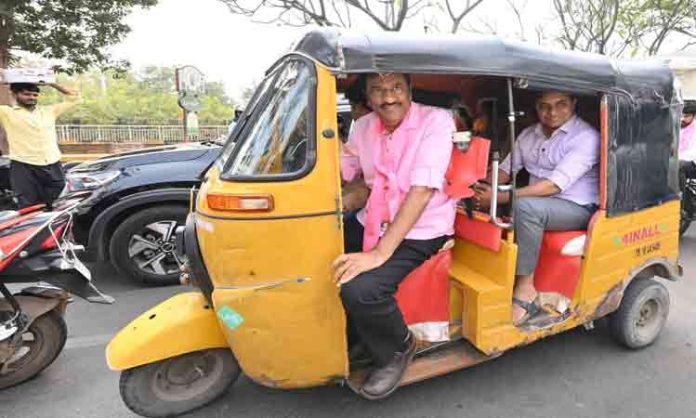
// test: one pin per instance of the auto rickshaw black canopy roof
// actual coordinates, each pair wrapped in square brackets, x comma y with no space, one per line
[350,52]
[642,127]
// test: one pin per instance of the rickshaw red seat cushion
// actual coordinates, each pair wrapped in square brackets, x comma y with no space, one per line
[480,232]
[423,296]
[557,272]
[467,167]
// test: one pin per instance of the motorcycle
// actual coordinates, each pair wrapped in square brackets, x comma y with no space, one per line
[37,246]
[688,204]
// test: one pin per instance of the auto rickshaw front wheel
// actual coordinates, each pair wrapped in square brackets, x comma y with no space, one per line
[641,315]
[180,384]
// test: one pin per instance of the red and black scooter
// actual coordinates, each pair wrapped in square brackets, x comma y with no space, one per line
[36,246]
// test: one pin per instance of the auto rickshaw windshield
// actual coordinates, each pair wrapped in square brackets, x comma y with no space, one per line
[278,140]
[231,140]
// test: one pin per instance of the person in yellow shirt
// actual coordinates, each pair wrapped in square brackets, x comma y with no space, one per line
[36,174]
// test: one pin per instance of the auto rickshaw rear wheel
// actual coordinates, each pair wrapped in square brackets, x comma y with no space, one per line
[180,384]
[642,314]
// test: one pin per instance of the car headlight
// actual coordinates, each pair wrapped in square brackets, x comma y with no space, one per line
[89,181]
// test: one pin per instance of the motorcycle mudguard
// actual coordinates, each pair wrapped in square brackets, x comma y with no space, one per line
[33,306]
[182,324]
[79,286]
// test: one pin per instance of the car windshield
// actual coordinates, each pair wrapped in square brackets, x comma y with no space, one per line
[278,140]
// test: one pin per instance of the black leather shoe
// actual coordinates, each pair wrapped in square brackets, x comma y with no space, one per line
[385,380]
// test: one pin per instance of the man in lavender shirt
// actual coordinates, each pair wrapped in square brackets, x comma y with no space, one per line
[561,154]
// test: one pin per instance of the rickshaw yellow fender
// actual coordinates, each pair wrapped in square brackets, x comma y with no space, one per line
[182,324]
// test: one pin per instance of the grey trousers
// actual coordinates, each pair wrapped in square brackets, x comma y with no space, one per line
[534,215]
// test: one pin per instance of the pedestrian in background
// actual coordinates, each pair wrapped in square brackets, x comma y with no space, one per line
[36,174]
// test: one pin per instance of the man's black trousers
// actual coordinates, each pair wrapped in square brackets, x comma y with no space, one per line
[369,298]
[34,184]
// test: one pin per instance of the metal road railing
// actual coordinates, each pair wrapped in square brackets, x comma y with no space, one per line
[88,134]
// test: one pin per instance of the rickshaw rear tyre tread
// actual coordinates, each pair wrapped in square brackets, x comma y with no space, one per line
[118,253]
[135,389]
[621,321]
[55,331]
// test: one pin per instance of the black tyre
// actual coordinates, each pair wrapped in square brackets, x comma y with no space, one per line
[687,202]
[143,247]
[683,225]
[642,314]
[41,344]
[685,215]
[178,385]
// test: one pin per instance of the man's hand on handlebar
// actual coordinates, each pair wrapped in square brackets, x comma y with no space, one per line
[482,197]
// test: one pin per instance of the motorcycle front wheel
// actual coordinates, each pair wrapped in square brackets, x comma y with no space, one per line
[39,346]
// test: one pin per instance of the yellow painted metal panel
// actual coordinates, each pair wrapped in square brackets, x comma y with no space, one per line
[456,302]
[498,267]
[179,325]
[621,244]
[293,332]
[615,251]
[486,278]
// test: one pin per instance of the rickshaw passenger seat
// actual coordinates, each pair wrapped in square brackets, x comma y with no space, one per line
[466,167]
[560,261]
[423,298]
[478,230]
[557,272]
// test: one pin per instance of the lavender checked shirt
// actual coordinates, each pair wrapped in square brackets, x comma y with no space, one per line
[569,158]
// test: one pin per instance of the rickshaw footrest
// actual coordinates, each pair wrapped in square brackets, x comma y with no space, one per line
[452,357]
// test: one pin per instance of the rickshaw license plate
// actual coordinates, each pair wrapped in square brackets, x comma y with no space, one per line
[231,318]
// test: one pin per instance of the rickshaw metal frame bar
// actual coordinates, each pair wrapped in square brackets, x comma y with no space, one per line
[496,187]
[603,150]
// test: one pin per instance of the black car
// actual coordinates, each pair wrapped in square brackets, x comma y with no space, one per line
[139,199]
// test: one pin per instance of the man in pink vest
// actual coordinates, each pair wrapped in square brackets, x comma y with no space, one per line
[401,151]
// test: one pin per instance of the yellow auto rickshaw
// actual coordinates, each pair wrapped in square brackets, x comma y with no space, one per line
[266,223]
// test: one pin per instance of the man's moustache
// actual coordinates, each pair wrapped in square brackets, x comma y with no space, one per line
[385,105]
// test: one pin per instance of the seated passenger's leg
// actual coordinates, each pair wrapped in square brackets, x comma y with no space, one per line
[534,215]
[352,233]
[372,309]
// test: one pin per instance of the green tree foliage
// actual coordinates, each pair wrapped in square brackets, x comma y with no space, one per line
[144,97]
[75,31]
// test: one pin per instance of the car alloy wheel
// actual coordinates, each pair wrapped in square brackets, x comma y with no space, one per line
[153,249]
